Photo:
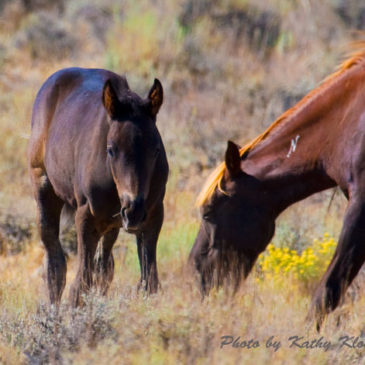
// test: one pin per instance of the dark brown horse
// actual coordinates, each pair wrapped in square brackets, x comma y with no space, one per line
[316,145]
[94,147]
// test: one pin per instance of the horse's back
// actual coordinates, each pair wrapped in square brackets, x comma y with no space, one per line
[75,82]
[65,97]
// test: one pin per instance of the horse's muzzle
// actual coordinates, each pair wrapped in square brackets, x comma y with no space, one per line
[133,212]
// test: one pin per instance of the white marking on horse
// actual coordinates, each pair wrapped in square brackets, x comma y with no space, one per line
[293,145]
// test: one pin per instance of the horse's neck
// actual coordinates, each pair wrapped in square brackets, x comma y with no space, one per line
[289,161]
[302,153]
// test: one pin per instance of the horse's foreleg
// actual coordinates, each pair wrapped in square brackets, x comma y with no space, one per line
[87,241]
[346,262]
[105,261]
[146,246]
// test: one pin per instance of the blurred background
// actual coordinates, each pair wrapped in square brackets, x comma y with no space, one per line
[229,68]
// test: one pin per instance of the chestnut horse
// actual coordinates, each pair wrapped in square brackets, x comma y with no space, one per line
[95,147]
[316,145]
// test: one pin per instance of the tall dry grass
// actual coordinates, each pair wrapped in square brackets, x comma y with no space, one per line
[229,68]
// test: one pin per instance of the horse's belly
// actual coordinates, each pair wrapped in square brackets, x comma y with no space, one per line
[62,181]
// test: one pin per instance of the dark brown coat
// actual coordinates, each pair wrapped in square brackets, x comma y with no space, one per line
[94,147]
[316,145]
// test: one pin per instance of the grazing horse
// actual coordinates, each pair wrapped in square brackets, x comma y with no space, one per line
[316,145]
[95,148]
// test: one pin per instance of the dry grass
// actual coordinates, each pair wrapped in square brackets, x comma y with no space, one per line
[174,326]
[228,69]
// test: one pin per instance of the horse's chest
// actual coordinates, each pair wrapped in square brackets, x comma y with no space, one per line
[103,200]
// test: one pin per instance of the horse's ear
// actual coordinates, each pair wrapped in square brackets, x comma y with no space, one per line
[233,160]
[110,99]
[155,97]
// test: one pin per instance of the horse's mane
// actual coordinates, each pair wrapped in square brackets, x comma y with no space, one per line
[355,57]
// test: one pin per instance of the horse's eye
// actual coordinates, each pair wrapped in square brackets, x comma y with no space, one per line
[110,151]
[157,151]
[208,216]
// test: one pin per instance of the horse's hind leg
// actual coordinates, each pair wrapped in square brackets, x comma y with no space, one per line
[87,241]
[49,211]
[346,262]
[105,261]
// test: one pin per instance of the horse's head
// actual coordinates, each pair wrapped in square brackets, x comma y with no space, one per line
[237,224]
[133,147]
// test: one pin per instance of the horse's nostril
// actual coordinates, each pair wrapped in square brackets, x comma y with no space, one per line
[132,212]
